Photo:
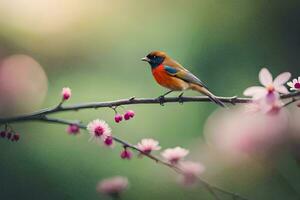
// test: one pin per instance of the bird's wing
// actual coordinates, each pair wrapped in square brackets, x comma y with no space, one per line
[185,75]
[173,63]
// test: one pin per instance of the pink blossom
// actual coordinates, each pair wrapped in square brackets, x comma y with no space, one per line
[174,155]
[270,106]
[148,145]
[270,87]
[126,154]
[191,171]
[295,84]
[73,129]
[237,134]
[98,129]
[129,114]
[66,93]
[112,186]
[118,118]
[273,108]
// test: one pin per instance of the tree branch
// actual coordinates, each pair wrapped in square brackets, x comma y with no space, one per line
[42,115]
[210,188]
[111,104]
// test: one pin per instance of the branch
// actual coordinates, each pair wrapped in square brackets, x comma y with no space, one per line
[293,100]
[113,104]
[42,115]
[211,188]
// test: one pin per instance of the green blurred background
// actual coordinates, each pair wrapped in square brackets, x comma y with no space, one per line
[95,46]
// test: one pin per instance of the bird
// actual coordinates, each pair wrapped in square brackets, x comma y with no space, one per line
[170,74]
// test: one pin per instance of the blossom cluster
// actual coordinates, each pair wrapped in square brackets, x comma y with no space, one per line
[127,116]
[258,128]
[100,131]
[240,132]
[14,137]
[266,98]
[174,156]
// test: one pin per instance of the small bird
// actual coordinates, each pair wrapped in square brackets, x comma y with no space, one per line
[170,74]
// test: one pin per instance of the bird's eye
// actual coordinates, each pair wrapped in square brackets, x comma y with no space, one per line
[154,56]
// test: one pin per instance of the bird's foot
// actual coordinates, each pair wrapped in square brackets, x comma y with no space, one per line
[180,98]
[161,100]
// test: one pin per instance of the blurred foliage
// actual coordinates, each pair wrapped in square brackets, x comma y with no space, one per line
[95,47]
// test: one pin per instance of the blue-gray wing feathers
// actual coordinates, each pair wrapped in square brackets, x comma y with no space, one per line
[184,75]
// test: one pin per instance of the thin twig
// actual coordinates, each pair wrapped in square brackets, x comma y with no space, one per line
[291,101]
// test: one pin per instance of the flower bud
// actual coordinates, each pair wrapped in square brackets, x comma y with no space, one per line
[126,154]
[118,118]
[66,93]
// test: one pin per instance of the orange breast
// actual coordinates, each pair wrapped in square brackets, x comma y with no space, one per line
[164,79]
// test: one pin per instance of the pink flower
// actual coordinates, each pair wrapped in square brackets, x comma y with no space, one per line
[126,154]
[73,129]
[148,145]
[265,106]
[238,134]
[173,155]
[98,129]
[66,93]
[118,118]
[270,87]
[191,171]
[272,108]
[129,114]
[112,186]
[295,84]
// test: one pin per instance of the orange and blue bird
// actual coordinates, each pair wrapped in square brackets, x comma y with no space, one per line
[173,76]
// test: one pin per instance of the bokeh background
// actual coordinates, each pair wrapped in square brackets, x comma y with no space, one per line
[94,47]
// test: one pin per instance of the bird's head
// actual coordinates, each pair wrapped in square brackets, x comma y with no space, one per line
[155,58]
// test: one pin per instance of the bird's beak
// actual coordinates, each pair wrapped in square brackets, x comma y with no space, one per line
[146,59]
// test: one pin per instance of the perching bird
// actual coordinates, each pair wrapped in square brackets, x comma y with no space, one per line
[170,74]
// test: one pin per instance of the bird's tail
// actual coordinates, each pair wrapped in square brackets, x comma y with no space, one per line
[217,101]
[206,92]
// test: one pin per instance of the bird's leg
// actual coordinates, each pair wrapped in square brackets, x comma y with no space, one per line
[180,99]
[161,98]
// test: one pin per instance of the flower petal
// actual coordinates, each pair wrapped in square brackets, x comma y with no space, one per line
[282,78]
[295,81]
[290,84]
[251,91]
[265,77]
[281,89]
